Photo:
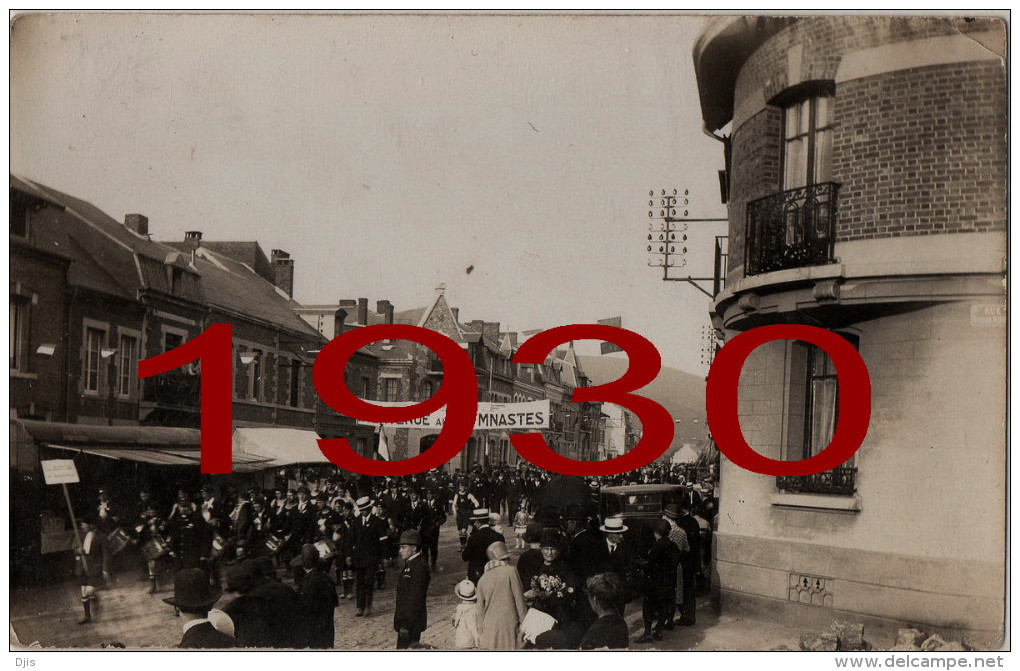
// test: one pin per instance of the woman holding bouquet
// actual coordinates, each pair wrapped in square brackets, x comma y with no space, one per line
[553,591]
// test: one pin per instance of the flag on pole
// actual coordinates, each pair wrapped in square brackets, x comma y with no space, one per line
[383,450]
[609,347]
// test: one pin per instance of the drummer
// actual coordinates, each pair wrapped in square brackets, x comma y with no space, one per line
[155,549]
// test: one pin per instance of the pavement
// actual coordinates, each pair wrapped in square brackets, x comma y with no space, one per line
[129,616]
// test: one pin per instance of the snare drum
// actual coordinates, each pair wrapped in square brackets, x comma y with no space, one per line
[326,548]
[155,548]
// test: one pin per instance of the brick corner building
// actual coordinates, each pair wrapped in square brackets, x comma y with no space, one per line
[866,173]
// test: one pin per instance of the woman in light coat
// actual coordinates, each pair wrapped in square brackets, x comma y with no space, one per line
[500,602]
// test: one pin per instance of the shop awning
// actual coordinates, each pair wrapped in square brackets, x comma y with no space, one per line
[158,445]
[161,457]
[277,447]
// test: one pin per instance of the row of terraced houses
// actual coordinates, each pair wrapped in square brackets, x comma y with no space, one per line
[91,296]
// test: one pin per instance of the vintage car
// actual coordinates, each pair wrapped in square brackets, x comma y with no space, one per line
[640,506]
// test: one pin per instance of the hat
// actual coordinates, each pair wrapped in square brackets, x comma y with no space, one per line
[101,491]
[364,502]
[614,525]
[480,514]
[192,591]
[550,538]
[497,550]
[309,556]
[533,532]
[494,518]
[672,511]
[410,537]
[465,589]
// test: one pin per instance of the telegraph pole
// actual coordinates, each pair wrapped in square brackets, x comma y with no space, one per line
[668,221]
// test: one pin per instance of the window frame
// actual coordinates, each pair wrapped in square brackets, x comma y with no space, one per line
[798,438]
[102,372]
[391,384]
[810,92]
[132,363]
[165,330]
[20,321]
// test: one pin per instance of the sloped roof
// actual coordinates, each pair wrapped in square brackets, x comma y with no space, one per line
[412,316]
[106,255]
[234,287]
[248,252]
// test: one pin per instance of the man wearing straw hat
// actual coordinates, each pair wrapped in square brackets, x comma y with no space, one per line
[478,542]
[193,597]
[618,555]
[369,532]
[410,616]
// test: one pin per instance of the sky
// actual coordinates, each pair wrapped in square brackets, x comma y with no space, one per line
[507,157]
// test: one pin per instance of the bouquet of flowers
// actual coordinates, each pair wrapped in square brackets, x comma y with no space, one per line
[551,586]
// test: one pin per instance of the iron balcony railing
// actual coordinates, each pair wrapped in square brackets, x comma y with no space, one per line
[791,229]
[840,481]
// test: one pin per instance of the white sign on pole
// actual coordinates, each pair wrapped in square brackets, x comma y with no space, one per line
[59,471]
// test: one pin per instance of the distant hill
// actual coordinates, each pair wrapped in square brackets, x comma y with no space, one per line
[682,394]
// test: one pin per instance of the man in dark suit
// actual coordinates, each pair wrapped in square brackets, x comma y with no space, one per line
[618,556]
[369,532]
[318,601]
[193,597]
[478,542]
[410,617]
[434,521]
[691,561]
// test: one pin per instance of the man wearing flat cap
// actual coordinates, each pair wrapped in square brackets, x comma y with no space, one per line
[193,597]
[478,542]
[410,617]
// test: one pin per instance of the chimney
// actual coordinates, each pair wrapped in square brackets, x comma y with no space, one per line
[363,311]
[338,321]
[192,240]
[139,223]
[385,308]
[491,330]
[283,271]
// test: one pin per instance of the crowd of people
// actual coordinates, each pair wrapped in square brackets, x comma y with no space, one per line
[334,535]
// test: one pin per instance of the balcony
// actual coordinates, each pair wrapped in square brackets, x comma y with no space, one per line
[173,389]
[791,229]
[840,481]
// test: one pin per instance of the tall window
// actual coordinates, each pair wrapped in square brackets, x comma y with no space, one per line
[807,141]
[366,387]
[814,397]
[243,379]
[93,348]
[255,376]
[127,358]
[392,389]
[19,333]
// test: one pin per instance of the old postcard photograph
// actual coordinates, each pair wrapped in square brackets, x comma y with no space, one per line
[467,332]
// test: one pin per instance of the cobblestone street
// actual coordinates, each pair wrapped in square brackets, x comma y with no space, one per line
[130,616]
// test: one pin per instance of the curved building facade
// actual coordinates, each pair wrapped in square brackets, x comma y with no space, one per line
[866,170]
